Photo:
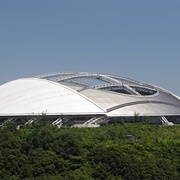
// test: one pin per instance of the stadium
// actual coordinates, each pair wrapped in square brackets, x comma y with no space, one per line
[86,100]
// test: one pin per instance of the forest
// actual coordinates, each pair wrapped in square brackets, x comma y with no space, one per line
[125,151]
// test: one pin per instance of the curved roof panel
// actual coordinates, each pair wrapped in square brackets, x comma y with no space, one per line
[35,96]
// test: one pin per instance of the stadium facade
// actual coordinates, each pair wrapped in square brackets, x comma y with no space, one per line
[86,99]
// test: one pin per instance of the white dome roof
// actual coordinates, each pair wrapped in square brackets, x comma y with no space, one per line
[33,96]
[85,94]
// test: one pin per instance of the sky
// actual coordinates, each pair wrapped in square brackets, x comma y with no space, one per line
[138,39]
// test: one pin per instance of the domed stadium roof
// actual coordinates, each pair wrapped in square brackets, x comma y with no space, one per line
[81,93]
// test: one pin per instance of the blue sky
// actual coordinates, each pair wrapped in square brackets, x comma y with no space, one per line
[135,39]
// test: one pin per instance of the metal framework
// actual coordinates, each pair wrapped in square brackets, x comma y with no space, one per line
[57,122]
[112,82]
[60,121]
[7,121]
[165,121]
[30,121]
[95,120]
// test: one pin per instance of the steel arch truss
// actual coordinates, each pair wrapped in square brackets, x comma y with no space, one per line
[108,82]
